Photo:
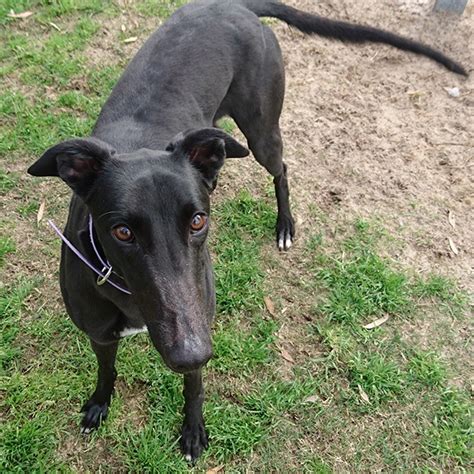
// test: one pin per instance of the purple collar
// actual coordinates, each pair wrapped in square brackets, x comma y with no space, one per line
[104,274]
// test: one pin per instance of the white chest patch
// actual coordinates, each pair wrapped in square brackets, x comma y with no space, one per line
[131,331]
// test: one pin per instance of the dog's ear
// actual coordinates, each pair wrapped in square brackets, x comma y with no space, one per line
[233,148]
[77,162]
[206,149]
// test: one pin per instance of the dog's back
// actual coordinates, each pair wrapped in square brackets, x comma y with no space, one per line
[182,74]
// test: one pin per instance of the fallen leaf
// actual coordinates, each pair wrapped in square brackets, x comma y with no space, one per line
[39,216]
[363,395]
[453,246]
[451,220]
[377,322]
[123,28]
[21,15]
[56,27]
[287,356]
[312,399]
[132,39]
[215,470]
[269,305]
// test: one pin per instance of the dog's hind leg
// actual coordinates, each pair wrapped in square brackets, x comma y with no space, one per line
[258,121]
[255,102]
[267,148]
[96,408]
[260,126]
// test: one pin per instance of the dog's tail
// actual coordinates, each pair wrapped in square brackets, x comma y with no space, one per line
[317,25]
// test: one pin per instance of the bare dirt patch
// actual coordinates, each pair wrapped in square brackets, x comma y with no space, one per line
[371,131]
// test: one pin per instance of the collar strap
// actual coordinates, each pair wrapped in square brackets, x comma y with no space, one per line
[104,274]
[106,267]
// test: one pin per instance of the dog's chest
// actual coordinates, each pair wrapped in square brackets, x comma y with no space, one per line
[130,331]
[131,321]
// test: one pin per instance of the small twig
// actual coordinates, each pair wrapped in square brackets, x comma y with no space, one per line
[467,165]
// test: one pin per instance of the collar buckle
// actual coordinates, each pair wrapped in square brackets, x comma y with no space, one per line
[101,279]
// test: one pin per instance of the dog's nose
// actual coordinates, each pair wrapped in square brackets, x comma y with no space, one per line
[189,355]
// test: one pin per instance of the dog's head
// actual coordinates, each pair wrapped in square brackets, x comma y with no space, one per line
[151,215]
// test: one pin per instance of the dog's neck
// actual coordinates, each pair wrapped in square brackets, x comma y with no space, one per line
[127,132]
[94,253]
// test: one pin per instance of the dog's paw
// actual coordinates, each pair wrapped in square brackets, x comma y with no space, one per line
[95,413]
[285,230]
[193,440]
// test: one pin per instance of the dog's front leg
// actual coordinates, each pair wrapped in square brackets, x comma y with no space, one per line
[193,432]
[97,407]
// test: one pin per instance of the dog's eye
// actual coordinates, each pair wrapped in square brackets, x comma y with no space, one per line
[198,222]
[122,233]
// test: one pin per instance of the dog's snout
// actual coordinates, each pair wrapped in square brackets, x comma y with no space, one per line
[190,355]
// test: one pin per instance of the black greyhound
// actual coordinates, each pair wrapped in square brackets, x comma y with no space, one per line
[142,182]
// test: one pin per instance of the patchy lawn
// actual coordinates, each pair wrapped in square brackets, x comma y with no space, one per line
[352,352]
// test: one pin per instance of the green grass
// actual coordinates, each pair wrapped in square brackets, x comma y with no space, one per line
[28,445]
[28,209]
[427,368]
[361,284]
[35,122]
[11,308]
[384,399]
[227,124]
[7,245]
[161,8]
[379,377]
[45,10]
[243,224]
[50,62]
[240,350]
[7,182]
[379,369]
[442,290]
[451,433]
